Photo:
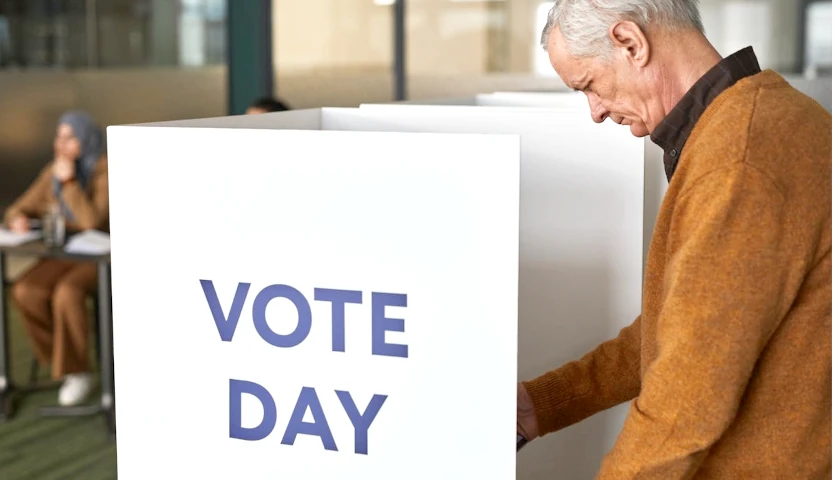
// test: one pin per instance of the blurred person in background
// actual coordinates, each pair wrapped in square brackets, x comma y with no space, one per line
[267,105]
[51,295]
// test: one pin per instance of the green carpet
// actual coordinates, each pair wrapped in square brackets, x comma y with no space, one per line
[36,448]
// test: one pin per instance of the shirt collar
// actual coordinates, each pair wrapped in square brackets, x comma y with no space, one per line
[676,127]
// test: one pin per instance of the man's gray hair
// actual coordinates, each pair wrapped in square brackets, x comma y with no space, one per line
[584,24]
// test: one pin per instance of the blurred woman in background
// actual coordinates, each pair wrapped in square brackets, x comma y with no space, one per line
[51,295]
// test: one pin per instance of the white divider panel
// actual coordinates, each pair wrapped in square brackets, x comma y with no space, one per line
[574,100]
[580,247]
[655,182]
[313,304]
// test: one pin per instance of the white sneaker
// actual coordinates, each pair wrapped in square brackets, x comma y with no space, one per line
[75,389]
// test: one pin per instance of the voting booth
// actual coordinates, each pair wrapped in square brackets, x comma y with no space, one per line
[581,231]
[576,104]
[315,294]
[570,100]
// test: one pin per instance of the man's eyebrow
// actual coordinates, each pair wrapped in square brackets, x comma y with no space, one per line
[575,85]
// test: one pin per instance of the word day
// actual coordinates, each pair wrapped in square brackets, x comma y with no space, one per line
[308,399]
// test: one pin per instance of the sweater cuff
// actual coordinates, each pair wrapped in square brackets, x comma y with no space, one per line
[555,396]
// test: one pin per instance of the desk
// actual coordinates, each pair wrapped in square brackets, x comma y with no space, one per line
[106,361]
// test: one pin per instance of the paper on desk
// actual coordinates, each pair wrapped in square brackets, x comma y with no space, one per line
[12,239]
[89,242]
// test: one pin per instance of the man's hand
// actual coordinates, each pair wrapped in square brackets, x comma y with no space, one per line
[19,224]
[64,169]
[526,417]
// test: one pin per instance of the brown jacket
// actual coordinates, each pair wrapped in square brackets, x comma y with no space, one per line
[89,206]
[729,365]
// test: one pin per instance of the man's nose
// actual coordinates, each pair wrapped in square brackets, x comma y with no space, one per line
[599,113]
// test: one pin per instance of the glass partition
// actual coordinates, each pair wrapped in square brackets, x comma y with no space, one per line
[71,34]
[333,52]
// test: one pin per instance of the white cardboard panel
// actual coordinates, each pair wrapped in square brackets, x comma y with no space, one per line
[442,101]
[655,181]
[308,119]
[574,100]
[580,247]
[371,212]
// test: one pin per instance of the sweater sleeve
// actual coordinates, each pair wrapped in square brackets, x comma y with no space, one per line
[602,379]
[725,274]
[89,208]
[34,200]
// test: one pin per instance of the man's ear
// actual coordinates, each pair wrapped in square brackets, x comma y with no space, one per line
[631,42]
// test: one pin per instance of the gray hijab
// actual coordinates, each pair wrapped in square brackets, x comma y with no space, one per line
[92,140]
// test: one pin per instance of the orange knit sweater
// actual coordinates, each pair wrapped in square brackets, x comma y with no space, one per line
[729,365]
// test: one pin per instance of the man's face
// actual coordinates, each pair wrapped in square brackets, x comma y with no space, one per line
[614,88]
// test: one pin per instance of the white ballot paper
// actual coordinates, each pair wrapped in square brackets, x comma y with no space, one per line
[89,242]
[12,239]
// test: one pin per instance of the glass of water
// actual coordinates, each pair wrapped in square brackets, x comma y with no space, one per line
[53,226]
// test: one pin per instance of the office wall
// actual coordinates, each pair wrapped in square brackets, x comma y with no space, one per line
[356,36]
[316,35]
[31,102]
[469,38]
[770,26]
[338,52]
[817,88]
[350,88]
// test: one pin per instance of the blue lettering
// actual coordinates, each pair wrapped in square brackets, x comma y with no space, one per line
[319,428]
[382,324]
[338,299]
[304,324]
[361,422]
[225,326]
[239,388]
[307,400]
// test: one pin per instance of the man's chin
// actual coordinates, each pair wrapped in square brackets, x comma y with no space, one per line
[638,130]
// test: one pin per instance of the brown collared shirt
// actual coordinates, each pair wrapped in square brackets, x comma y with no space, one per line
[676,127]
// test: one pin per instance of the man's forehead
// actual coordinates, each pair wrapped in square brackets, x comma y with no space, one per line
[569,68]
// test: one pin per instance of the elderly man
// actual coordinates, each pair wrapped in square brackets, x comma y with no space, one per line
[728,368]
